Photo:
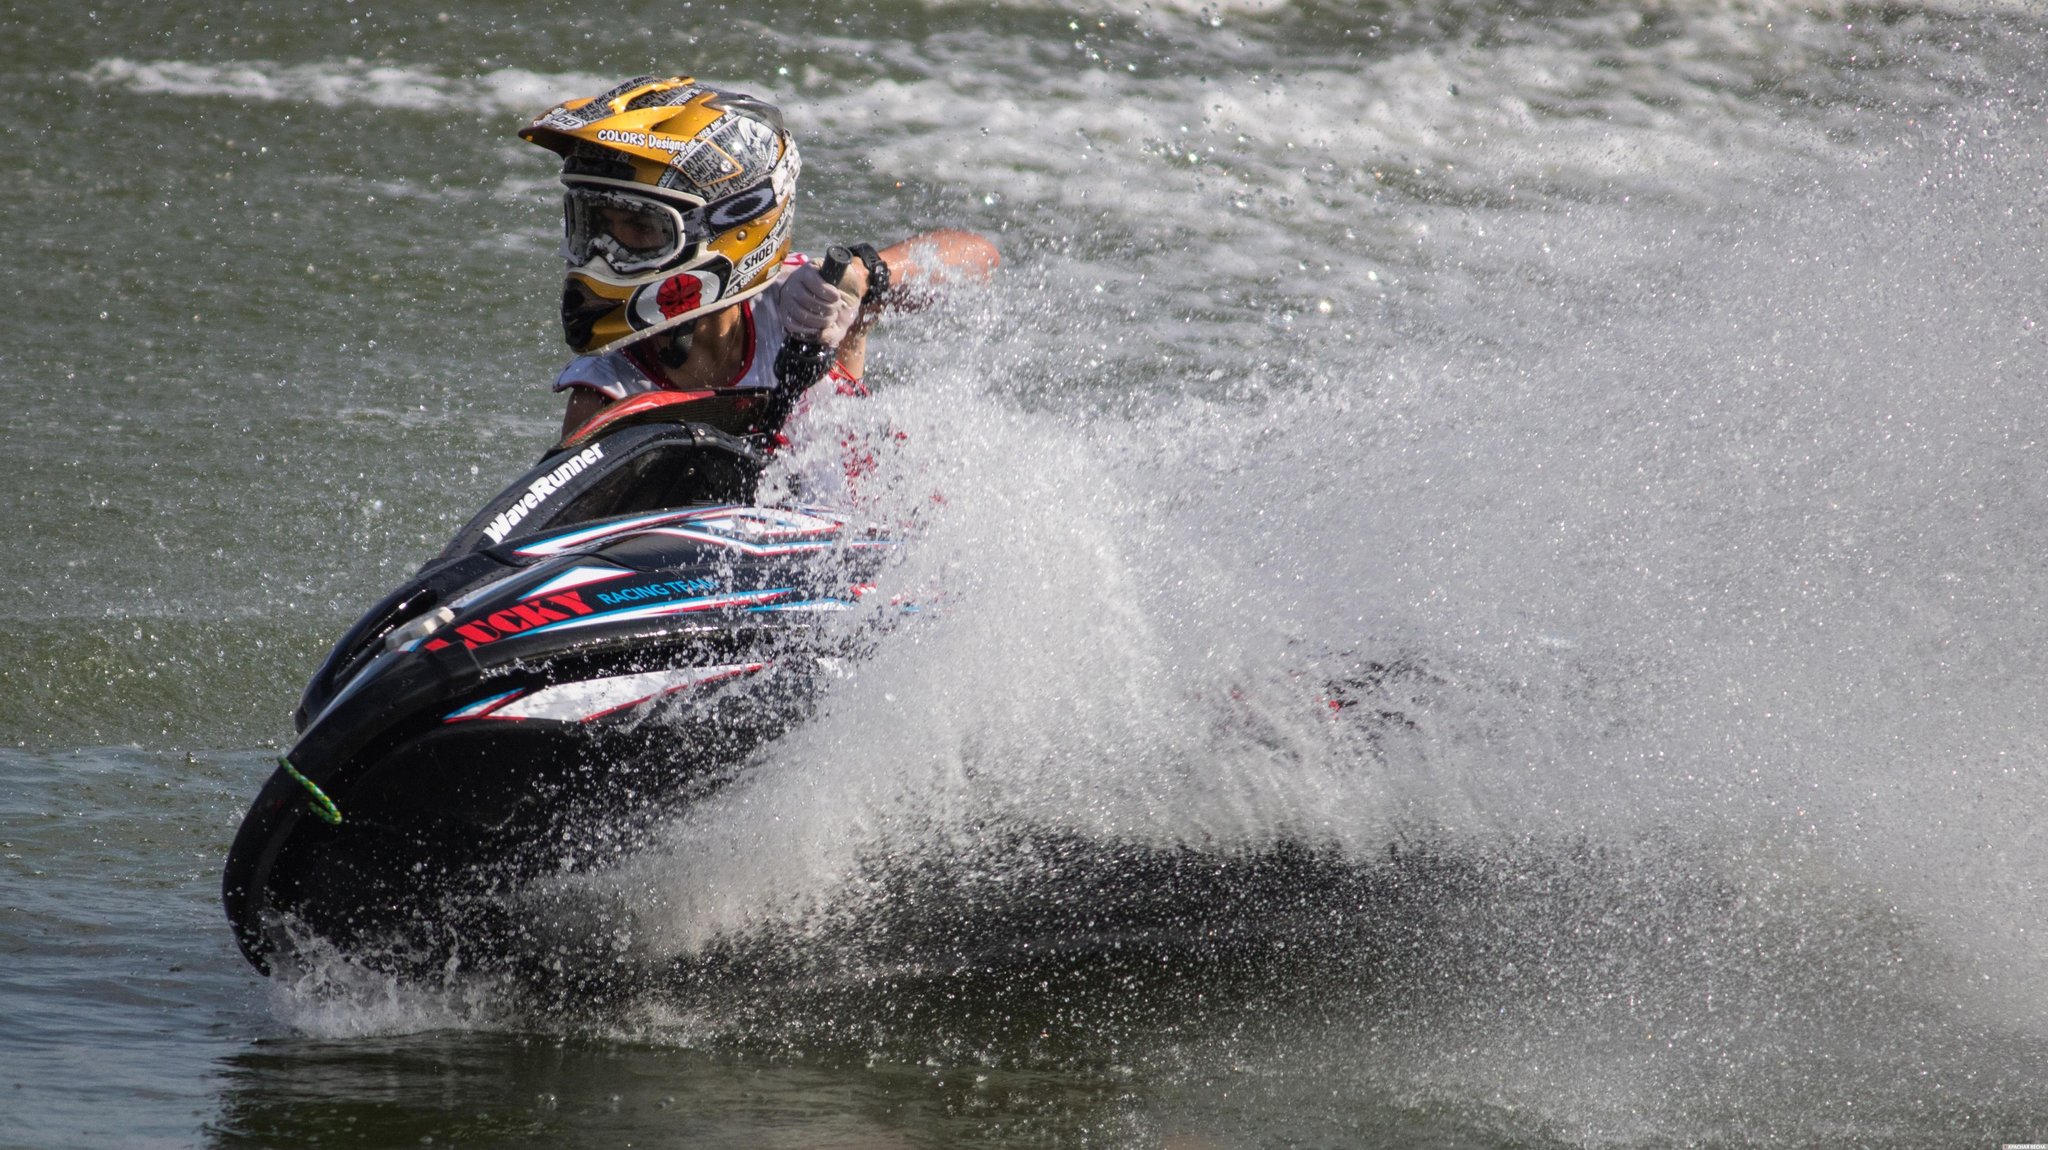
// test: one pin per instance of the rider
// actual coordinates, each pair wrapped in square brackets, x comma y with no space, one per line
[677,211]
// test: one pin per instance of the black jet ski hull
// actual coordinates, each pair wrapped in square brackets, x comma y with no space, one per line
[554,680]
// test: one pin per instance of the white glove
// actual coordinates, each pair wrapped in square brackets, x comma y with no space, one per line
[814,309]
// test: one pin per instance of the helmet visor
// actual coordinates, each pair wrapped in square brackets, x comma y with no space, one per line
[631,234]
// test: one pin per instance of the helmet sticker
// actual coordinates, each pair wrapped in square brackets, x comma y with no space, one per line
[669,143]
[733,211]
[768,249]
[706,165]
[748,141]
[733,147]
[644,140]
[678,295]
[682,94]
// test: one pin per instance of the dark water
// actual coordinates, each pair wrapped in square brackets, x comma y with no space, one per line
[1634,409]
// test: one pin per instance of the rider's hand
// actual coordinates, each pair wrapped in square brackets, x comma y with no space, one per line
[817,310]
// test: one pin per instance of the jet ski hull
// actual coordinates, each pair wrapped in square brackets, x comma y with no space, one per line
[553,681]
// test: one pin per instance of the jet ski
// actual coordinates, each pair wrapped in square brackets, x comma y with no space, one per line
[603,642]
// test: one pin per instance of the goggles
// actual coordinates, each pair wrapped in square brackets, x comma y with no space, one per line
[635,235]
[631,234]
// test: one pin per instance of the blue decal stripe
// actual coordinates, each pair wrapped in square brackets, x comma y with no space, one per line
[658,610]
[477,708]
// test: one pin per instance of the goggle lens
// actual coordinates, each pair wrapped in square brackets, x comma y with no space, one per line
[630,233]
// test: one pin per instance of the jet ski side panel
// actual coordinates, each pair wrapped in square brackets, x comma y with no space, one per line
[611,636]
[437,824]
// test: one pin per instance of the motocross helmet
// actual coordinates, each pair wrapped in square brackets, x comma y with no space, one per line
[678,201]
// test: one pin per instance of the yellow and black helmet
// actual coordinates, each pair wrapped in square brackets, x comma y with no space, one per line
[678,201]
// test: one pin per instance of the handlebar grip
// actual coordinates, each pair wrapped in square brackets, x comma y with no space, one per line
[837,257]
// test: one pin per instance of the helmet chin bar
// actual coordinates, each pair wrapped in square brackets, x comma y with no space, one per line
[690,294]
[581,312]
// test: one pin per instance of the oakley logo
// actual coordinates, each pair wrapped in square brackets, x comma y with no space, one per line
[735,210]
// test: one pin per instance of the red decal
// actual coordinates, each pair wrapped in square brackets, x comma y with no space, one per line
[535,616]
[571,600]
[678,294]
[475,635]
[507,623]
[522,617]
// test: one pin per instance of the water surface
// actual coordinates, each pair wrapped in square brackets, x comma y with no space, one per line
[1630,413]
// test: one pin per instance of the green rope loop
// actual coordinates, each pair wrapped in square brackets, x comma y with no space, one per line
[321,804]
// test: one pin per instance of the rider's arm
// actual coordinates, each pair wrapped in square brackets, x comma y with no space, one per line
[918,268]
[922,264]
